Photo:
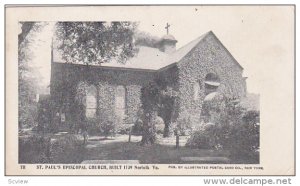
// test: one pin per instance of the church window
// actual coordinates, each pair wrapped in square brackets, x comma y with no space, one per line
[91,101]
[120,99]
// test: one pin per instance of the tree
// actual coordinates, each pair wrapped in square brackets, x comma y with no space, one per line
[150,102]
[27,79]
[96,42]
[26,27]
[157,100]
[168,108]
[168,104]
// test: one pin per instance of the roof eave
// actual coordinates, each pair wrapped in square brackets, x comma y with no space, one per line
[107,67]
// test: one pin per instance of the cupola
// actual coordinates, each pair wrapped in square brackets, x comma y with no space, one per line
[168,42]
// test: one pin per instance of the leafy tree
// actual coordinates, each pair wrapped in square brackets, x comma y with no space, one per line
[26,28]
[27,75]
[168,105]
[157,100]
[150,103]
[168,108]
[96,42]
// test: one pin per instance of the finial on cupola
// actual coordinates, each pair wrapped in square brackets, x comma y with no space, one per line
[167,28]
[168,42]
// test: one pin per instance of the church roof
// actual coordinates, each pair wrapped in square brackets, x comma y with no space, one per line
[146,58]
[154,59]
[149,58]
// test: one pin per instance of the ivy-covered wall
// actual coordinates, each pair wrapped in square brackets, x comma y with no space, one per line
[168,77]
[66,77]
[209,56]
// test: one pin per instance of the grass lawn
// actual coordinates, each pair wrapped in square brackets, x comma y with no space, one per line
[118,148]
[162,153]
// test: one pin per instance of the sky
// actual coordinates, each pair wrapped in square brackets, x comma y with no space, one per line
[258,37]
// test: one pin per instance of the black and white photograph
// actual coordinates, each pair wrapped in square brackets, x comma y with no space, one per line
[182,89]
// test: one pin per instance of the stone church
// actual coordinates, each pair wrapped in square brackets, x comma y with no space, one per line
[197,71]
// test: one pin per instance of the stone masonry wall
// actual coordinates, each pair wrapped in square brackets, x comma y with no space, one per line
[209,56]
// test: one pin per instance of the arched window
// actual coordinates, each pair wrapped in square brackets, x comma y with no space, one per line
[196,88]
[120,101]
[212,82]
[91,101]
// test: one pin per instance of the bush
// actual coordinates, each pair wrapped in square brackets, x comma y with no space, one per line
[185,124]
[108,128]
[44,149]
[234,129]
[159,126]
[244,138]
[124,129]
[28,115]
[66,149]
[138,127]
[241,137]
[93,127]
[109,124]
[34,149]
[204,138]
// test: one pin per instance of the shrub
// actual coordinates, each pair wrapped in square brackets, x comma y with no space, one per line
[138,127]
[105,124]
[108,128]
[204,138]
[66,149]
[34,149]
[244,138]
[241,137]
[184,124]
[28,115]
[44,149]
[234,129]
[159,124]
[93,127]
[124,129]
[108,124]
